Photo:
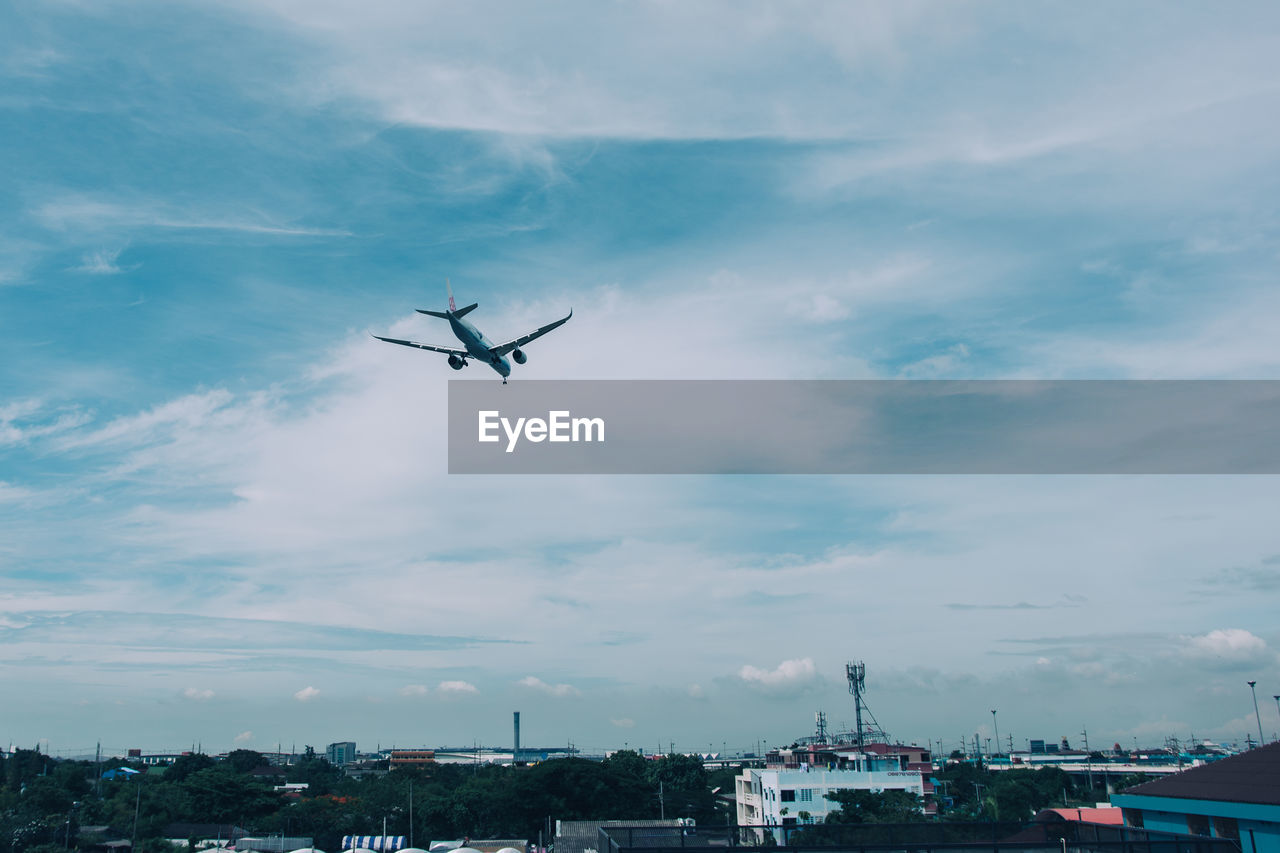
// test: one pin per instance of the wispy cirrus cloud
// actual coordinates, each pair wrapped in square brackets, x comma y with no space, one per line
[96,215]
[102,262]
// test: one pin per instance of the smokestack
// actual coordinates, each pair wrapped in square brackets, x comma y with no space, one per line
[515,753]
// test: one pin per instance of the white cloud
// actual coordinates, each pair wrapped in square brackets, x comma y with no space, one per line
[102,262]
[414,690]
[624,723]
[788,675]
[23,421]
[306,694]
[12,493]
[103,215]
[535,683]
[1229,645]
[244,737]
[190,412]
[198,694]
[457,687]
[787,71]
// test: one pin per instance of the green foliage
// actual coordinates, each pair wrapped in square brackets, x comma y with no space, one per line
[184,765]
[37,795]
[321,776]
[876,807]
[244,760]
[24,766]
[224,796]
[981,794]
[685,790]
[44,796]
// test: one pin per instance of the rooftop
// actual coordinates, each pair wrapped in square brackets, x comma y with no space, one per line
[1250,777]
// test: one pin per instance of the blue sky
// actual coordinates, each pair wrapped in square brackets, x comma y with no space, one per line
[224,515]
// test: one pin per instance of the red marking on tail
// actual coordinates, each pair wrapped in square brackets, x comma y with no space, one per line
[452,307]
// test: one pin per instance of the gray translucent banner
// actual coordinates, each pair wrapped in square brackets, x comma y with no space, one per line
[864,427]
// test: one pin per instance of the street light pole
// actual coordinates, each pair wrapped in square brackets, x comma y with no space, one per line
[1254,691]
[996,723]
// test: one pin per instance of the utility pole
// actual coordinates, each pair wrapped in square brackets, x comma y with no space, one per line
[1088,756]
[996,722]
[662,802]
[137,805]
[1254,691]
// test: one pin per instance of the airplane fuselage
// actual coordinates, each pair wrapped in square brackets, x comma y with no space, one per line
[478,346]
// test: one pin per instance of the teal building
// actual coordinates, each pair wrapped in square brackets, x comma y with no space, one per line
[1237,798]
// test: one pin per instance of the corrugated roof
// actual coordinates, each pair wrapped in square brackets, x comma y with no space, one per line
[1250,777]
[1112,816]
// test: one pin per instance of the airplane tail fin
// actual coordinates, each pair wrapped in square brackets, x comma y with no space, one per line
[454,310]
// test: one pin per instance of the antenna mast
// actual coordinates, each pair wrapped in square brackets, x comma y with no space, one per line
[868,732]
[857,675]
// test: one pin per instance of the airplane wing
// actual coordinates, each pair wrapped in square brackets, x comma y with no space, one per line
[503,349]
[445,350]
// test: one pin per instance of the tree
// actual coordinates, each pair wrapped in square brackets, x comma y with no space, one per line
[320,776]
[685,791]
[876,807]
[186,764]
[245,760]
[225,797]
[627,763]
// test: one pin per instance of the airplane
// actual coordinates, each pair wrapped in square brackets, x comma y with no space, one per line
[475,344]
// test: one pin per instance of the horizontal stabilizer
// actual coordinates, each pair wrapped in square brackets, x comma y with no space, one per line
[445,315]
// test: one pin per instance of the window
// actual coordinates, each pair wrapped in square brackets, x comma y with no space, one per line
[1133,817]
[1226,827]
[1197,824]
[806,795]
[788,795]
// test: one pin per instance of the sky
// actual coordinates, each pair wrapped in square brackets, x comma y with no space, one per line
[225,517]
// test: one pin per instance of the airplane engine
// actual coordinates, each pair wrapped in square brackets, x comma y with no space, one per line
[456,363]
[519,356]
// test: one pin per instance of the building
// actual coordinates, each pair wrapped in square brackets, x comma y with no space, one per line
[274,843]
[792,787]
[341,753]
[583,836]
[1236,798]
[412,757]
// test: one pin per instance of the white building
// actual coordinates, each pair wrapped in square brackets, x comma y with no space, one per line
[798,782]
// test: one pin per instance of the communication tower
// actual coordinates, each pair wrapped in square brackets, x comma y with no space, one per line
[865,733]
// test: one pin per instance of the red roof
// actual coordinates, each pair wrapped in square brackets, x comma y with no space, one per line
[1112,816]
